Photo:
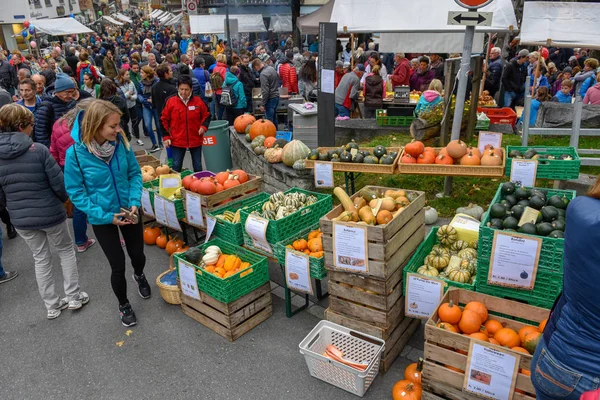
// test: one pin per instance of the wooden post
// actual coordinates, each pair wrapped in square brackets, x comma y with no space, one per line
[487,62]
[448,86]
[352,50]
[477,83]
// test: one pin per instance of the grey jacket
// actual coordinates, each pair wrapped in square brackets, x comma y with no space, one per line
[349,82]
[269,84]
[31,183]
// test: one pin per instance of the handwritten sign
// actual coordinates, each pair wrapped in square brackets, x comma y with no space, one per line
[193,210]
[323,175]
[171,212]
[297,271]
[350,247]
[159,211]
[523,172]
[491,372]
[423,295]
[146,203]
[514,260]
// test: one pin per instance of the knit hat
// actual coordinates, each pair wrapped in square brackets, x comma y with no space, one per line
[568,69]
[339,64]
[63,82]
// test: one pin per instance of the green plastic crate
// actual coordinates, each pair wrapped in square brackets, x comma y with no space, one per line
[551,169]
[549,278]
[482,125]
[317,265]
[153,186]
[285,227]
[385,120]
[418,259]
[234,233]
[229,289]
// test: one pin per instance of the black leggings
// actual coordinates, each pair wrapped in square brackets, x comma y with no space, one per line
[108,237]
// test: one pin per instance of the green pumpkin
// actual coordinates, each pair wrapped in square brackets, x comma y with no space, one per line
[370,160]
[523,203]
[510,223]
[558,202]
[517,211]
[280,143]
[260,150]
[352,145]
[346,156]
[549,213]
[497,211]
[537,202]
[530,153]
[314,154]
[358,158]
[512,199]
[544,228]
[496,223]
[323,157]
[522,193]
[258,141]
[331,154]
[559,225]
[386,160]
[515,154]
[507,188]
[193,255]
[299,165]
[557,234]
[528,228]
[248,139]
[379,151]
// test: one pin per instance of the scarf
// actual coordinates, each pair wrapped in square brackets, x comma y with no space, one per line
[104,152]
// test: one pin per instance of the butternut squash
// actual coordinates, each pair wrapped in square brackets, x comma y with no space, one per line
[359,202]
[387,203]
[394,193]
[344,199]
[366,215]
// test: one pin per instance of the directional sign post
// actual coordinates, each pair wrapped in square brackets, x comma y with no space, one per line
[469,18]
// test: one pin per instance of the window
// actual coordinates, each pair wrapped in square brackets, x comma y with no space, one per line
[35,3]
[48,3]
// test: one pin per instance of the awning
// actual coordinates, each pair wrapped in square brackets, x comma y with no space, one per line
[309,24]
[560,24]
[159,14]
[165,17]
[281,23]
[216,23]
[110,20]
[417,42]
[123,18]
[175,20]
[154,13]
[60,26]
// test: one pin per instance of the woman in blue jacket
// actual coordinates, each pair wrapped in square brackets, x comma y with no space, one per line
[102,177]
[232,81]
[567,360]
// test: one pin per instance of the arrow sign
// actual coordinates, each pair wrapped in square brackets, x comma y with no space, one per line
[470,18]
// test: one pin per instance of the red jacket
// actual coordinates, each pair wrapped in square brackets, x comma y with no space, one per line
[221,69]
[289,78]
[81,65]
[182,122]
[337,78]
[401,75]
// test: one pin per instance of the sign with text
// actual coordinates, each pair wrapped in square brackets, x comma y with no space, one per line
[210,226]
[423,295]
[171,212]
[514,260]
[523,172]
[350,247]
[193,210]
[187,278]
[159,211]
[256,227]
[323,175]
[146,203]
[489,138]
[297,271]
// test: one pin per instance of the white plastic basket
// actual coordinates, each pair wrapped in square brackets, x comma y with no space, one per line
[356,346]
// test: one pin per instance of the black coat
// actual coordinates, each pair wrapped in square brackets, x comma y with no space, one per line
[247,78]
[8,76]
[48,113]
[72,60]
[374,91]
[161,91]
[31,183]
[513,78]
[208,60]
[122,105]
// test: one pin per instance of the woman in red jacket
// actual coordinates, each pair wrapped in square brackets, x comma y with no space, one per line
[185,119]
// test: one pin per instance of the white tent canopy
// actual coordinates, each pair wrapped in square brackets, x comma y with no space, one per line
[123,18]
[159,14]
[111,20]
[175,20]
[417,42]
[165,17]
[60,26]
[281,23]
[560,24]
[154,13]
[216,23]
[309,24]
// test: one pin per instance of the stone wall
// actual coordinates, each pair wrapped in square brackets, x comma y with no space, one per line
[276,177]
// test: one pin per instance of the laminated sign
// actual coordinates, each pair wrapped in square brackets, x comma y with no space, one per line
[350,247]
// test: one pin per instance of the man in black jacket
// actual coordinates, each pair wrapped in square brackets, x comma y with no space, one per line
[514,78]
[54,108]
[72,59]
[8,75]
[161,91]
[493,74]
[208,58]
[247,78]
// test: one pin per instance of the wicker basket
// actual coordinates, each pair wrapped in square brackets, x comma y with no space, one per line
[170,294]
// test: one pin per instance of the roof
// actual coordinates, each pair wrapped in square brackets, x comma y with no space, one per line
[60,26]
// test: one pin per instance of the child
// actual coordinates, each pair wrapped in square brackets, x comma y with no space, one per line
[564,95]
[587,78]
[541,96]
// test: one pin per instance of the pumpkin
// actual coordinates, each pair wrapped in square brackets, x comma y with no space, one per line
[262,127]
[413,372]
[426,158]
[260,150]
[456,149]
[210,258]
[315,245]
[459,245]
[161,241]
[427,271]
[526,330]
[146,177]
[450,312]
[248,138]
[480,336]
[269,142]
[474,150]
[293,151]
[479,308]
[491,159]
[162,170]
[300,244]
[172,246]
[447,327]
[492,326]
[459,275]
[148,169]
[408,159]
[438,258]
[431,149]
[204,187]
[151,234]
[229,183]
[470,322]
[414,148]
[187,181]
[431,215]
[488,149]
[241,174]
[447,235]
[531,341]
[257,141]
[406,390]
[507,337]
[242,122]
[383,217]
[231,263]
[519,350]
[444,159]
[221,177]
[299,165]
[494,341]
[273,155]
[542,325]
[470,159]
[468,254]
[472,210]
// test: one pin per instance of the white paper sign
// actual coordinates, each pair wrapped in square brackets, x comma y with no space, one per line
[187,278]
[328,81]
[297,271]
[491,138]
[523,172]
[193,210]
[323,174]
[210,226]
[350,249]
[169,183]
[491,373]
[514,260]
[423,295]
[256,227]
[159,211]
[172,220]
[146,203]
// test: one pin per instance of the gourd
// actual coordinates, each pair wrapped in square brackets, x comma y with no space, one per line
[210,258]
[344,199]
[507,337]
[427,270]
[444,159]
[146,177]
[459,275]
[438,258]
[467,253]
[431,215]
[263,127]
[383,217]
[213,249]
[470,159]
[406,390]
[299,165]
[413,372]
[456,149]
[414,148]
[242,122]
[447,235]
[162,170]
[293,151]
[472,210]
[273,155]
[260,150]
[269,142]
[459,245]
[450,312]
[478,308]
[492,326]
[491,159]
[366,214]
[257,141]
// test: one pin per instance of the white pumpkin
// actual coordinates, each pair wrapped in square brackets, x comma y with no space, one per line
[431,215]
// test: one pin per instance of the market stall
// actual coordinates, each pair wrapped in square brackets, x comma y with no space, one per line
[281,23]
[215,23]
[123,18]
[110,20]
[60,26]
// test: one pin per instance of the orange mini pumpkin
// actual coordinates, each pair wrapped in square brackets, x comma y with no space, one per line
[269,142]
[300,244]
[479,308]
[507,337]
[492,326]
[315,245]
[526,330]
[470,322]
[449,312]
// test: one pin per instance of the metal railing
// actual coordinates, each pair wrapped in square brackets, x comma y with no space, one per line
[575,132]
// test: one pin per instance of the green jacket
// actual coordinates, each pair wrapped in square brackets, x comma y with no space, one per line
[135,78]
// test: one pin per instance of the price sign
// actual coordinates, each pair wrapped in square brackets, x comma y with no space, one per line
[489,138]
[423,295]
[491,372]
[323,175]
[187,278]
[297,271]
[210,226]
[523,172]
[350,247]
[159,210]
[530,215]
[146,203]
[256,227]
[514,260]
[193,210]
[172,220]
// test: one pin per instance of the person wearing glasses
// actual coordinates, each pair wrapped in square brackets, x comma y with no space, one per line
[51,110]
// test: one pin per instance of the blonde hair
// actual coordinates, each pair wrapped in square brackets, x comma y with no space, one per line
[595,190]
[222,58]
[376,69]
[436,85]
[95,117]
[14,117]
[148,71]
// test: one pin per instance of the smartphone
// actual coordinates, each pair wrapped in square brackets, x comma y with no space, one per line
[130,216]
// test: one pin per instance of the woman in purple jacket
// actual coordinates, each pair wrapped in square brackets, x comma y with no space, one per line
[422,77]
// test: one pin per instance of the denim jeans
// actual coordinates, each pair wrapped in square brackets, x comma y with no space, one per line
[179,154]
[510,98]
[135,121]
[79,226]
[149,115]
[553,380]
[220,108]
[2,272]
[341,111]
[140,113]
[271,110]
[249,102]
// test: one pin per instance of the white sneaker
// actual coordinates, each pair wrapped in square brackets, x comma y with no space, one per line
[139,142]
[55,312]
[79,301]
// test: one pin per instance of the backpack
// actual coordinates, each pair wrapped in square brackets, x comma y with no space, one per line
[85,70]
[216,81]
[228,97]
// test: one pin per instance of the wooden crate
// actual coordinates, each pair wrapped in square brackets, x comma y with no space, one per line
[452,170]
[147,159]
[230,320]
[441,346]
[367,313]
[355,167]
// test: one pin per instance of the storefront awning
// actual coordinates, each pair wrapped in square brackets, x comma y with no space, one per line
[165,17]
[281,23]
[175,20]
[111,20]
[123,18]
[216,23]
[60,26]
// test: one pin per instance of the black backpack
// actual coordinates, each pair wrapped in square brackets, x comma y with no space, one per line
[228,96]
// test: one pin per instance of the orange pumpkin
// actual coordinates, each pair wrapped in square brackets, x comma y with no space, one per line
[315,245]
[480,336]
[221,177]
[494,341]
[456,148]
[413,372]
[470,159]
[449,312]
[241,174]
[187,181]
[507,337]
[408,159]
[383,217]
[242,122]
[269,142]
[531,341]
[315,234]
[519,350]
[526,330]
[229,183]
[491,159]
[430,149]
[414,148]
[492,326]
[426,158]
[525,372]
[447,326]
[219,187]
[479,308]
[300,245]
[172,246]
[262,127]
[488,149]
[542,325]
[151,234]
[470,322]
[444,159]
[161,241]
[221,261]
[204,187]
[406,390]
[443,151]
[317,254]
[474,150]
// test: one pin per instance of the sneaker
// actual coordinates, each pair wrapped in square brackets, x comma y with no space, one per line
[139,142]
[9,276]
[154,148]
[79,301]
[127,315]
[87,245]
[11,232]
[143,286]
[55,312]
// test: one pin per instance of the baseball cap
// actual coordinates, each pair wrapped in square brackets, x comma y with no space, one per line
[523,53]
